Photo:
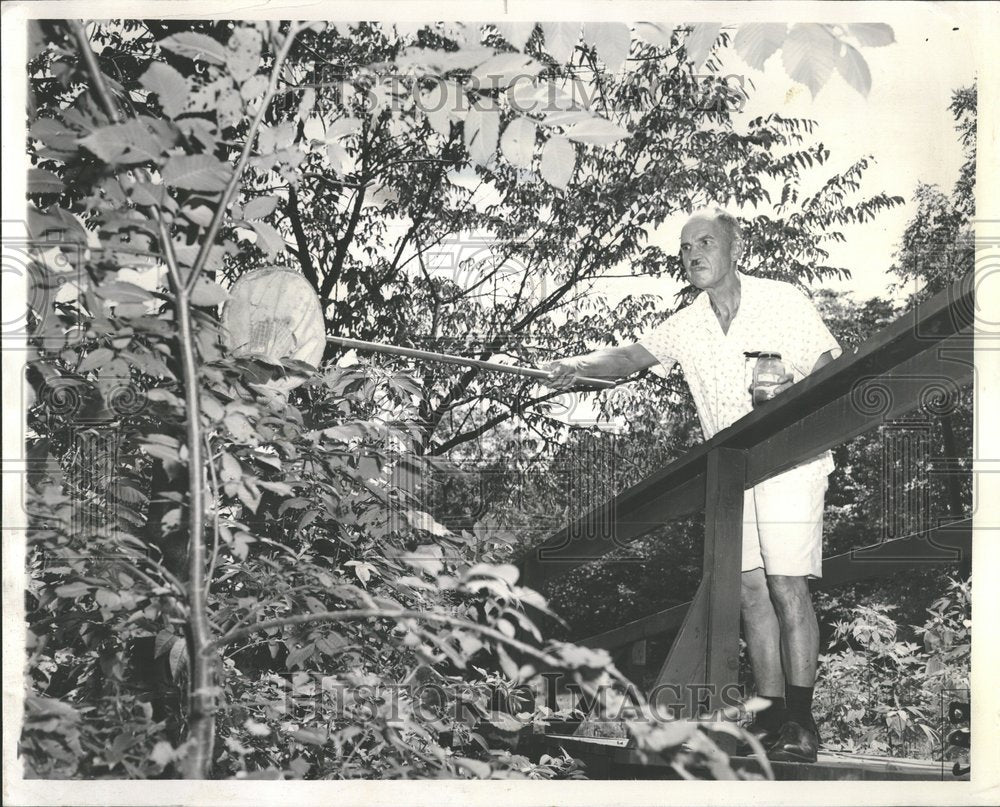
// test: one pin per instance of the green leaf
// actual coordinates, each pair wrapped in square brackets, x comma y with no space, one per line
[164,641]
[253,87]
[129,143]
[561,39]
[420,520]
[518,142]
[54,134]
[756,42]
[194,45]
[281,488]
[146,193]
[243,52]
[809,55]
[72,591]
[427,557]
[96,358]
[700,42]
[305,735]
[200,214]
[169,86]
[268,239]
[655,33]
[558,162]
[853,67]
[229,108]
[178,658]
[204,97]
[502,70]
[612,41]
[482,129]
[595,130]
[871,34]
[121,291]
[42,181]
[231,470]
[240,427]
[162,753]
[516,33]
[196,172]
[208,293]
[260,207]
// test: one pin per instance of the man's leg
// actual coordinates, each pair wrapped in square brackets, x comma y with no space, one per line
[799,629]
[762,633]
[790,523]
[799,737]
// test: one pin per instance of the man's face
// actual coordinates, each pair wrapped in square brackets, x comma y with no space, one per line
[707,252]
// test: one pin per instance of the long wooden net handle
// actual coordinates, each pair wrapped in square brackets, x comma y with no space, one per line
[427,355]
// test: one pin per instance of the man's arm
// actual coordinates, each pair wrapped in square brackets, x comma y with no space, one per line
[611,362]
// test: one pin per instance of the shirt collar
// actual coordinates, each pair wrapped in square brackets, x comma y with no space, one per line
[707,316]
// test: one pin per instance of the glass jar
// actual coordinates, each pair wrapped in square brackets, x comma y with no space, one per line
[767,373]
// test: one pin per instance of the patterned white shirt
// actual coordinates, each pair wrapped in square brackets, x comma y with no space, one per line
[773,317]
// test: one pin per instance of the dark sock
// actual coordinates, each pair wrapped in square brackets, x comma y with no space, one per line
[799,704]
[774,715]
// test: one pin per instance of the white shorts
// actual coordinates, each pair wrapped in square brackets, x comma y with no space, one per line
[783,523]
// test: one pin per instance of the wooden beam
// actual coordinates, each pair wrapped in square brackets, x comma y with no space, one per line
[723,555]
[949,543]
[954,542]
[706,651]
[632,517]
[687,658]
[653,625]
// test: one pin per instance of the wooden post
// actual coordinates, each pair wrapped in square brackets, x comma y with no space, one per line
[704,659]
[721,569]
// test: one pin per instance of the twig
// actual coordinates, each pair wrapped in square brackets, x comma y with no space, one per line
[215,515]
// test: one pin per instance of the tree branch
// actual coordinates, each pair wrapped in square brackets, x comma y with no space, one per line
[492,422]
[304,255]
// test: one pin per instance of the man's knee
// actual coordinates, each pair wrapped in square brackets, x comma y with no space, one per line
[754,590]
[790,594]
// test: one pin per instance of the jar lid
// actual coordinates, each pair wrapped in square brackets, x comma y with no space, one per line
[767,355]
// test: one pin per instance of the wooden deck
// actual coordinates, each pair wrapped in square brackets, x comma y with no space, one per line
[614,758]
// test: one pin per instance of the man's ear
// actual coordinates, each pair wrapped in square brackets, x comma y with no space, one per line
[736,249]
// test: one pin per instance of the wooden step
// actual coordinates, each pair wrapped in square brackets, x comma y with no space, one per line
[616,758]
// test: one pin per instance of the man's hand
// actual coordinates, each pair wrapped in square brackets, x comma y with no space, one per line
[784,382]
[562,374]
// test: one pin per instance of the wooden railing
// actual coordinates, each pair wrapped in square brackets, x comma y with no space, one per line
[919,361]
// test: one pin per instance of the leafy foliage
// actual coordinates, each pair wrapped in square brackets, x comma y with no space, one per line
[213,563]
[885,688]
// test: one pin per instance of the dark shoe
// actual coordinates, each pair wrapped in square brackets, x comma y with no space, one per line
[796,743]
[768,736]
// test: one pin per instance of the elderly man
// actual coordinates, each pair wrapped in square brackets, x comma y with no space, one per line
[783,517]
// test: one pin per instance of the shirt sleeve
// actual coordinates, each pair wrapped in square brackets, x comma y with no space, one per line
[810,338]
[662,342]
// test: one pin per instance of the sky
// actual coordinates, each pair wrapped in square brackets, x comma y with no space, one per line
[904,124]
